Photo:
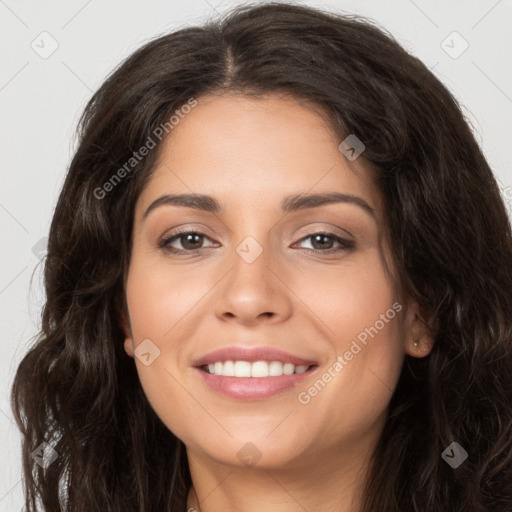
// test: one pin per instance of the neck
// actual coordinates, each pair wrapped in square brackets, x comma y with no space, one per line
[323,485]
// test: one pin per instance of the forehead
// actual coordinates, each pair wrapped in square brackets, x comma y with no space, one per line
[248,151]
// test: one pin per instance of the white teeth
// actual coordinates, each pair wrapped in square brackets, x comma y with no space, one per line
[256,369]
[259,369]
[242,369]
[275,368]
[228,369]
[288,368]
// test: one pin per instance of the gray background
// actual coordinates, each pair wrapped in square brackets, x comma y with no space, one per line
[42,96]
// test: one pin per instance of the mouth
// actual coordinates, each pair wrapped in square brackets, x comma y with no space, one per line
[259,380]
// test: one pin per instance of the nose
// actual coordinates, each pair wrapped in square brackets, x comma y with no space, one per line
[254,290]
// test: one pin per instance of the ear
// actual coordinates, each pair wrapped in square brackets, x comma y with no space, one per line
[125,325]
[419,338]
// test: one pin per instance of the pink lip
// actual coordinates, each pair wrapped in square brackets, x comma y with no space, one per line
[253,388]
[251,355]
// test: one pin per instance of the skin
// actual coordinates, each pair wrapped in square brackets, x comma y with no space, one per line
[249,154]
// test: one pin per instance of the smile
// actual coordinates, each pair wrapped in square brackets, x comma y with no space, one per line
[242,386]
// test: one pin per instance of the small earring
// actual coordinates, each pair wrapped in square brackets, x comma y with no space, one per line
[415,343]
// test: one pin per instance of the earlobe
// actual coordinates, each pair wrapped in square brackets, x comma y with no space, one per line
[128,346]
[128,341]
[421,347]
[419,339]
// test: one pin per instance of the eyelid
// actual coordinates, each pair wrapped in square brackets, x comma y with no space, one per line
[332,228]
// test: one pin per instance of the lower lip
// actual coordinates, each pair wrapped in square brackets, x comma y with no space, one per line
[253,388]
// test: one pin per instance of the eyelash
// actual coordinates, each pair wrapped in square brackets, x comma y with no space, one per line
[346,245]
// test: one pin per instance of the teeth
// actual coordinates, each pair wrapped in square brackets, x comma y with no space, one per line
[227,369]
[256,369]
[242,369]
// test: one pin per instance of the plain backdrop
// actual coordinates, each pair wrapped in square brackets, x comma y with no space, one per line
[55,54]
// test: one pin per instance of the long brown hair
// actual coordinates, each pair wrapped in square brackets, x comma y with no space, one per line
[77,390]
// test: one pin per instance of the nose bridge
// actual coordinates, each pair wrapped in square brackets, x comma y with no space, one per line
[251,250]
[252,260]
[252,239]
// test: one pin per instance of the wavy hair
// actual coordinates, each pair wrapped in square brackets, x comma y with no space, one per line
[451,239]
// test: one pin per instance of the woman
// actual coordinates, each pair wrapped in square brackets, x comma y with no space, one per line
[279,277]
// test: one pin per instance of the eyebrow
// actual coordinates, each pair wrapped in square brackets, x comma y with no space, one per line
[291,203]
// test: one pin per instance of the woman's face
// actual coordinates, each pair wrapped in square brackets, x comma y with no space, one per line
[256,275]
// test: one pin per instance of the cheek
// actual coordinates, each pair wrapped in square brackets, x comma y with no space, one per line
[159,298]
[163,304]
[349,297]
[362,316]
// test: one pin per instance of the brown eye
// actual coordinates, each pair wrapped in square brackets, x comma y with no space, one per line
[323,242]
[190,241]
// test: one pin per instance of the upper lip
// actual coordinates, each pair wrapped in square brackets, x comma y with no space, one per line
[251,355]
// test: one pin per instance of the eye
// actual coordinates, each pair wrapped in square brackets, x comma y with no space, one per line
[191,241]
[319,243]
